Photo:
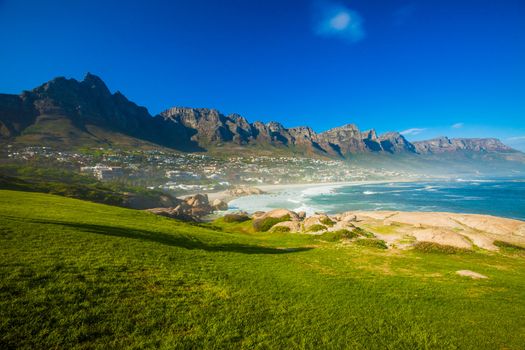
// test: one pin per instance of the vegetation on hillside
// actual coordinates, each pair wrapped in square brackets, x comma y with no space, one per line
[66,183]
[432,247]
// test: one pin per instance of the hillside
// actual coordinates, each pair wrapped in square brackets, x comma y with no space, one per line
[76,274]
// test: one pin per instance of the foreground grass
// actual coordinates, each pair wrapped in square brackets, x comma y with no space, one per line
[85,275]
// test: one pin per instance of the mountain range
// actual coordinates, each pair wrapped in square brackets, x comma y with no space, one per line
[68,113]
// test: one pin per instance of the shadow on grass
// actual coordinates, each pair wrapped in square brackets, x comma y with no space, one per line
[182,241]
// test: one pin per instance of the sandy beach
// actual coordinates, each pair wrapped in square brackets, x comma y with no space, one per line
[227,197]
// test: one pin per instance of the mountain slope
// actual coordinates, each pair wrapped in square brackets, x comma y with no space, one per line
[69,113]
[211,127]
[444,144]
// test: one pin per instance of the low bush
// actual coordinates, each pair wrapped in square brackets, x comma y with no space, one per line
[280,229]
[334,236]
[508,246]
[431,247]
[235,217]
[264,224]
[316,228]
[363,233]
[373,243]
[327,222]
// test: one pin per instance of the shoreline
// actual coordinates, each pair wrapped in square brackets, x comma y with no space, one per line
[225,196]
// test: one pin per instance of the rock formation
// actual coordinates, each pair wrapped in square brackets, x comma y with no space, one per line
[191,208]
[404,229]
[244,191]
[444,144]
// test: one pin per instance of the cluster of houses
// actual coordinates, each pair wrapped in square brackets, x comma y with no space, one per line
[189,172]
[103,172]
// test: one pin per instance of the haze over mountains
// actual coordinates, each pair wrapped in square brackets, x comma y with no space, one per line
[66,112]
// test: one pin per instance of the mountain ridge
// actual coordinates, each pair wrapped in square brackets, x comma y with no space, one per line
[63,111]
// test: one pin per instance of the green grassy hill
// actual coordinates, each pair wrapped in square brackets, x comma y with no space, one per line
[85,275]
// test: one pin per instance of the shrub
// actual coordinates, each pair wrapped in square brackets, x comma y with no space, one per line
[431,247]
[374,243]
[264,224]
[364,233]
[316,228]
[508,246]
[327,222]
[334,236]
[236,217]
[281,229]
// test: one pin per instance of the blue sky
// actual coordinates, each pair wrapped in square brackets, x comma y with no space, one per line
[426,68]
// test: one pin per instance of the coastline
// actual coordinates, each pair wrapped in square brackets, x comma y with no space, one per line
[268,188]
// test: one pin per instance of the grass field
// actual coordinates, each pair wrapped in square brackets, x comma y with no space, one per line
[75,274]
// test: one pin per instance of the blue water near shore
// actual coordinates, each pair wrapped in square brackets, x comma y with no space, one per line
[500,197]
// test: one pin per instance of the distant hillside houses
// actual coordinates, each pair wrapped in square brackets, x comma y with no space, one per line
[103,172]
[182,175]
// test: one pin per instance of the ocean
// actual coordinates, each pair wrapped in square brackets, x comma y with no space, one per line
[500,197]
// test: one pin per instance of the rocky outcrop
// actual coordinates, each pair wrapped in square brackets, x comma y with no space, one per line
[405,229]
[266,221]
[317,220]
[291,226]
[444,144]
[244,191]
[191,208]
[219,204]
[280,213]
[456,230]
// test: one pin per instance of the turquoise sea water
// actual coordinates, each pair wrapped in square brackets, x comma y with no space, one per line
[500,197]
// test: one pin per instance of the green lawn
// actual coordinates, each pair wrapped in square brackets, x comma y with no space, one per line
[85,275]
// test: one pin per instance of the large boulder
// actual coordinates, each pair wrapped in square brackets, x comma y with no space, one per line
[245,191]
[197,200]
[318,219]
[279,213]
[200,211]
[258,214]
[191,208]
[287,226]
[219,204]
[182,209]
[236,217]
[173,213]
[267,220]
[348,216]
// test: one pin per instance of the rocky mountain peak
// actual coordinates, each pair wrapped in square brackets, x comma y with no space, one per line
[394,142]
[275,126]
[444,144]
[370,134]
[93,82]
[344,128]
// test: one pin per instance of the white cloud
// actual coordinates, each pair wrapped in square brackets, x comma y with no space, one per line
[336,20]
[340,21]
[412,131]
[457,126]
